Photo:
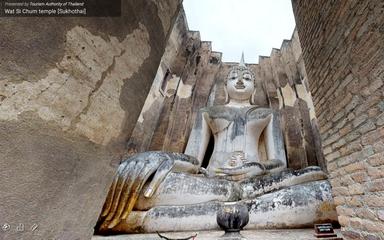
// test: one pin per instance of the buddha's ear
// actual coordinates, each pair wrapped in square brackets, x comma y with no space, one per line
[252,100]
[226,94]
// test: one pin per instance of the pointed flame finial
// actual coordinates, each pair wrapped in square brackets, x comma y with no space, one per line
[242,63]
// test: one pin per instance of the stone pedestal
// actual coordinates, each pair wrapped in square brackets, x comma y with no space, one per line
[260,234]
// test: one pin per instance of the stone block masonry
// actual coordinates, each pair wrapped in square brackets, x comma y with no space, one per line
[343,51]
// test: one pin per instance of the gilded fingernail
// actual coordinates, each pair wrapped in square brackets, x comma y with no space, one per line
[148,192]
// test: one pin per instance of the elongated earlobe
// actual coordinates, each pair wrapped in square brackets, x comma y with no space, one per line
[226,94]
[252,100]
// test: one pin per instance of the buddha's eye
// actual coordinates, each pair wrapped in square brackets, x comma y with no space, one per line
[247,78]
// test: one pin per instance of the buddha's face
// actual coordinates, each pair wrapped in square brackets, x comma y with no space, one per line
[240,84]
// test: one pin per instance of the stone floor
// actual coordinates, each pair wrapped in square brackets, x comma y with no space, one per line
[294,234]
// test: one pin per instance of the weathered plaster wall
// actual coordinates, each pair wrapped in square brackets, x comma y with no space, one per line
[343,51]
[71,90]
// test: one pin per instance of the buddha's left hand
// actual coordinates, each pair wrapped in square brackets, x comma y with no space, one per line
[243,172]
[249,169]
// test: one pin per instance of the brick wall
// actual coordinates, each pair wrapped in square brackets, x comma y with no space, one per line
[343,51]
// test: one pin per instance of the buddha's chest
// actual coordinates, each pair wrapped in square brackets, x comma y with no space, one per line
[234,123]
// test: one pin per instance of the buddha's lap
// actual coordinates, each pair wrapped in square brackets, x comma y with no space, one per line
[184,188]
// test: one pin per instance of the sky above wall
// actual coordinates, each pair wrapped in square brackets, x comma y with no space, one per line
[233,26]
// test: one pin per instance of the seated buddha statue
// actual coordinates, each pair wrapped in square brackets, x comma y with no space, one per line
[164,191]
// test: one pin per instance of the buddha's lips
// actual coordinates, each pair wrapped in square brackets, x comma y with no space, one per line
[239,86]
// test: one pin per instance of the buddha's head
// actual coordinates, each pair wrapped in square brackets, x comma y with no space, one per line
[240,83]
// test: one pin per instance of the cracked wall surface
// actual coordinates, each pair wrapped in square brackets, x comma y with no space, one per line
[71,91]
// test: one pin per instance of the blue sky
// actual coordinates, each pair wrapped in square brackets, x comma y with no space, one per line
[233,26]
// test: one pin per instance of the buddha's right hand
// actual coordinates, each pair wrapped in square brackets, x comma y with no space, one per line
[131,176]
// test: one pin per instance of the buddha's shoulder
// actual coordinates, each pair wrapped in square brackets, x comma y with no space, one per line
[229,111]
[260,113]
[218,110]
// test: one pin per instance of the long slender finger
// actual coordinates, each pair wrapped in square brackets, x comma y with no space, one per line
[108,201]
[241,170]
[252,173]
[183,157]
[164,168]
[185,167]
[119,188]
[131,178]
[146,173]
[112,189]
